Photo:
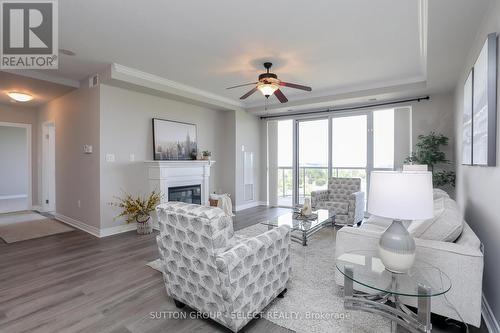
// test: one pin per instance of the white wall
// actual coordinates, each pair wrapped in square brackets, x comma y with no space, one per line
[76,117]
[478,190]
[25,115]
[436,115]
[126,128]
[14,165]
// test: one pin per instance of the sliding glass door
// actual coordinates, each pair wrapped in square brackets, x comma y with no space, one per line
[312,170]
[309,151]
[349,147]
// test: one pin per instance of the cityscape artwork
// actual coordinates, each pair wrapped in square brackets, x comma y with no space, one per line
[174,140]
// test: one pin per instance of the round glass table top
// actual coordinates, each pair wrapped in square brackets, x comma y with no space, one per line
[368,272]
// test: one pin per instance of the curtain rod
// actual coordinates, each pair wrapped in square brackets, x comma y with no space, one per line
[347,108]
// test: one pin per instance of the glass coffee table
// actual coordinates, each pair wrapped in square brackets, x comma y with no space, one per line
[368,286]
[302,230]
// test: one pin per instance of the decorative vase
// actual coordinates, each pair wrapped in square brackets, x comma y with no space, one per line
[397,248]
[306,208]
[144,225]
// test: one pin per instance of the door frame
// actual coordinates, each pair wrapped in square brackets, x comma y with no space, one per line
[29,175]
[45,172]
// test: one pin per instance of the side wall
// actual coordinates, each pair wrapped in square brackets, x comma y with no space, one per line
[478,189]
[126,128]
[25,115]
[14,166]
[76,118]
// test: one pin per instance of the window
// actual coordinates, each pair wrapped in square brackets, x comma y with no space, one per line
[349,142]
[313,157]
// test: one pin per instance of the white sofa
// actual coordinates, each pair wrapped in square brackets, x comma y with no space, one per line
[437,244]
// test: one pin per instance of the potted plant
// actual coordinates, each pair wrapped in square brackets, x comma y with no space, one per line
[206,154]
[428,151]
[138,209]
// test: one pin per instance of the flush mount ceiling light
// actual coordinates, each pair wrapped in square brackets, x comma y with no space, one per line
[20,97]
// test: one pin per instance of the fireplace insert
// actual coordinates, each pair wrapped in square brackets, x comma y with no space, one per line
[188,194]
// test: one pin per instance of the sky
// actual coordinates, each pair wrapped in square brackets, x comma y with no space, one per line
[349,141]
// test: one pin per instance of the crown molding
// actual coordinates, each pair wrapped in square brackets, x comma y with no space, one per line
[160,85]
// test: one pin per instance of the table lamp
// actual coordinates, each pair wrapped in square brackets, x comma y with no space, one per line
[400,196]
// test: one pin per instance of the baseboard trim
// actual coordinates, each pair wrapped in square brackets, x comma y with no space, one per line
[249,205]
[489,317]
[117,230]
[94,231]
[37,208]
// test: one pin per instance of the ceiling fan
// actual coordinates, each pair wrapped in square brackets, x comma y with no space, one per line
[269,84]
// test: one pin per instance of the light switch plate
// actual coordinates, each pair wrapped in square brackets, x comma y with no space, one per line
[110,157]
[132,157]
[87,149]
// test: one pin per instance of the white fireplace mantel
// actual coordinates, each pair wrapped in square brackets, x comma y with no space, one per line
[165,174]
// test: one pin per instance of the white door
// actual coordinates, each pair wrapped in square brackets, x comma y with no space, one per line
[49,168]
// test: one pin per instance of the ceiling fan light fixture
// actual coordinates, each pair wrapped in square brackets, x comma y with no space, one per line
[267,89]
[20,97]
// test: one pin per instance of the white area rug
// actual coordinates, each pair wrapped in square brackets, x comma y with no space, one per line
[22,226]
[314,302]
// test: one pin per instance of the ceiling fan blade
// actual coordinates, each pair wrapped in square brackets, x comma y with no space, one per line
[296,86]
[249,93]
[242,85]
[279,95]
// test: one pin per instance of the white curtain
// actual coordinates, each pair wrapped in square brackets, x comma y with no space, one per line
[272,162]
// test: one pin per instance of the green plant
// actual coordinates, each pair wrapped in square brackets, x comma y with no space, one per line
[428,151]
[137,208]
[206,153]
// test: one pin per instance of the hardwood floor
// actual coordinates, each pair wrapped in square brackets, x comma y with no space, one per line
[74,282]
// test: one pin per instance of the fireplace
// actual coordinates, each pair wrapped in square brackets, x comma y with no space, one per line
[168,176]
[188,194]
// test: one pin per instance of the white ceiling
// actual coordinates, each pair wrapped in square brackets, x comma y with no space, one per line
[335,46]
[42,91]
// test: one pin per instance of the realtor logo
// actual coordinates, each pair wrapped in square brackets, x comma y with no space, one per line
[29,37]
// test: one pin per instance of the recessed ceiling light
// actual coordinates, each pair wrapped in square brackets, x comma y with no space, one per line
[67,52]
[20,97]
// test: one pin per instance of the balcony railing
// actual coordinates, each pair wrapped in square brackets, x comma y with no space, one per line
[311,179]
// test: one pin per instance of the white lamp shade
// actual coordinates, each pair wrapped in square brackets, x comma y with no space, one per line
[401,195]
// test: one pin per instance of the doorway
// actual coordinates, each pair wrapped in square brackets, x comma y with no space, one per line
[15,169]
[48,167]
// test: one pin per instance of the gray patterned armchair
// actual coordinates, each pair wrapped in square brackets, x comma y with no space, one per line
[230,278]
[343,196]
